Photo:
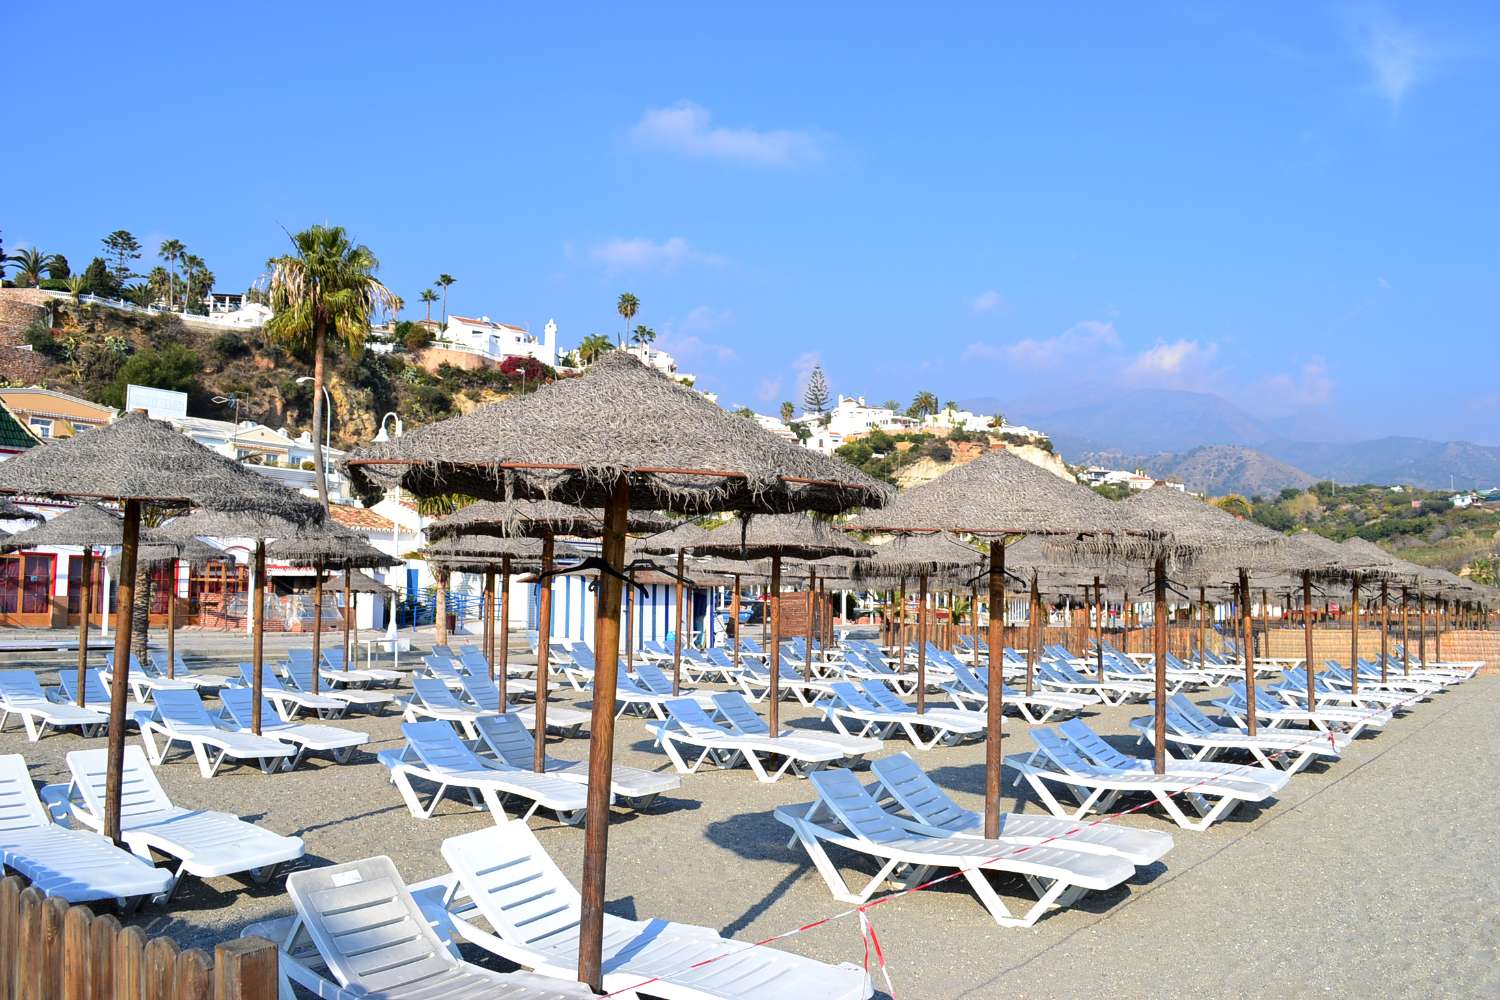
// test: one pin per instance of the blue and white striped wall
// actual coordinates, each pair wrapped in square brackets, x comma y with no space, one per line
[573,611]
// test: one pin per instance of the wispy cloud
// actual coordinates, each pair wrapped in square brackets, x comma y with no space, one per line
[986,302]
[1170,363]
[642,254]
[1396,56]
[689,341]
[1309,385]
[688,129]
[1080,343]
[768,390]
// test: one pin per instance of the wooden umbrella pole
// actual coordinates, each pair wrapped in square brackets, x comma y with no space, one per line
[502,670]
[765,618]
[734,615]
[1307,639]
[258,640]
[1249,652]
[630,626]
[1437,630]
[172,620]
[85,608]
[974,621]
[1125,618]
[922,643]
[1354,635]
[601,735]
[1385,628]
[348,614]
[773,614]
[544,640]
[993,703]
[1203,625]
[1033,633]
[1422,627]
[677,631]
[812,606]
[900,644]
[1099,628]
[119,690]
[440,613]
[317,635]
[487,634]
[1405,631]
[1159,646]
[1265,621]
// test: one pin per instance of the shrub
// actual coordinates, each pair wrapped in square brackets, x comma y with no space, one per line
[230,345]
[416,338]
[525,367]
[170,367]
[40,339]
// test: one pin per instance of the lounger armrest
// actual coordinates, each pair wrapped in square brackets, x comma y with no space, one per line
[55,801]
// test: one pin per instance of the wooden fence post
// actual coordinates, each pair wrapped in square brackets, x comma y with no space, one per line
[54,913]
[245,969]
[195,976]
[28,967]
[130,947]
[77,954]
[102,955]
[10,933]
[158,969]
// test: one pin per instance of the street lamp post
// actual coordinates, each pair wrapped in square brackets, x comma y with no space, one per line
[322,446]
[234,434]
[381,437]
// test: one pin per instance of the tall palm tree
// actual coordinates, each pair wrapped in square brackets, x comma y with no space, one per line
[443,281]
[594,346]
[626,307]
[428,297]
[787,411]
[643,335]
[327,285]
[171,251]
[923,403]
[31,264]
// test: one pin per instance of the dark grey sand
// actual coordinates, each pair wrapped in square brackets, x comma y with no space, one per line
[1377,876]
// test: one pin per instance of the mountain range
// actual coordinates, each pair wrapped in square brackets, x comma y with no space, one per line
[1214,446]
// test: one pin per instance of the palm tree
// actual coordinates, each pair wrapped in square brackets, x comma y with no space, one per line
[31,264]
[923,403]
[428,297]
[626,307]
[327,285]
[594,346]
[171,251]
[787,410]
[77,285]
[443,281]
[643,335]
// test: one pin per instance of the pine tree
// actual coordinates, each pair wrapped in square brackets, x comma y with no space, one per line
[815,398]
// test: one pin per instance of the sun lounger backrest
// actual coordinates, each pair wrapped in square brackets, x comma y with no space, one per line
[434,693]
[1092,745]
[968,679]
[481,691]
[851,697]
[654,680]
[582,655]
[140,793]
[689,714]
[20,809]
[1189,711]
[884,696]
[443,649]
[1057,750]
[840,791]
[508,738]
[733,706]
[514,882]
[21,684]
[910,786]
[301,674]
[438,746]
[367,927]
[182,707]
[240,704]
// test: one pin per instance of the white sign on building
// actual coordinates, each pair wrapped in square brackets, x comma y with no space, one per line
[160,404]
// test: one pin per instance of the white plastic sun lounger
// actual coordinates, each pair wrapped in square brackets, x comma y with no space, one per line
[21,694]
[650,677]
[1058,875]
[507,738]
[745,721]
[1205,739]
[755,680]
[357,932]
[560,718]
[630,696]
[77,866]
[1274,713]
[1099,788]
[689,728]
[203,683]
[431,699]
[334,658]
[179,717]
[307,737]
[1095,748]
[203,843]
[289,702]
[968,688]
[849,708]
[95,694]
[300,675]
[507,896]
[1113,692]
[434,753]
[1294,681]
[900,778]
[143,684]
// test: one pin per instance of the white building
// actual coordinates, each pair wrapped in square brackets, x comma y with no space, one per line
[851,415]
[655,357]
[956,419]
[775,426]
[1096,475]
[824,440]
[498,341]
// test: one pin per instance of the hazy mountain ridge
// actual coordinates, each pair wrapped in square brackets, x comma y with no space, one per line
[1203,439]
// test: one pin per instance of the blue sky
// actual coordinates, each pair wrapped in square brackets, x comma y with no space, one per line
[1291,205]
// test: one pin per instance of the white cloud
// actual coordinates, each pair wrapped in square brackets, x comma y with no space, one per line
[1310,385]
[642,254]
[1181,364]
[688,129]
[986,302]
[1397,57]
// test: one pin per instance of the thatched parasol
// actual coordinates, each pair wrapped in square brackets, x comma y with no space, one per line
[10,511]
[621,436]
[137,460]
[506,519]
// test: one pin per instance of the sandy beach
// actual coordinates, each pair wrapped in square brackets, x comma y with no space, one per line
[1373,876]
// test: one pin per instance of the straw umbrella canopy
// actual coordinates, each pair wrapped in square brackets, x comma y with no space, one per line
[619,437]
[137,461]
[9,511]
[87,526]
[328,544]
[779,536]
[998,496]
[921,556]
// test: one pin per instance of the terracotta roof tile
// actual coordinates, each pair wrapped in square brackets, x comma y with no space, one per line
[359,518]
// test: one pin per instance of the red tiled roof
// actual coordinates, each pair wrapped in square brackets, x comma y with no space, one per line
[359,518]
[472,321]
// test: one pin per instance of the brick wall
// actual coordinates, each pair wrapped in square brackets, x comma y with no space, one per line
[19,308]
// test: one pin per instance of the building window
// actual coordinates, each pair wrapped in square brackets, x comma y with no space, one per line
[42,427]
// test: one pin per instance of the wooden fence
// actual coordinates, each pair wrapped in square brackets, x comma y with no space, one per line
[54,950]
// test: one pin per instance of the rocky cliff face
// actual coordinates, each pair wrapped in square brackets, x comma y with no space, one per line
[925,470]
